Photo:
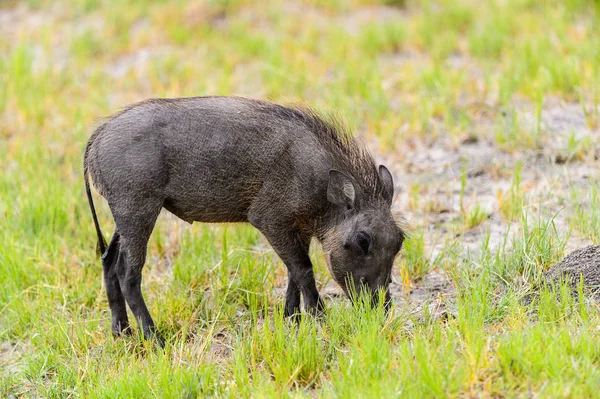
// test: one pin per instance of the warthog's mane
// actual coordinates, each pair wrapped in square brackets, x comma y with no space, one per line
[349,153]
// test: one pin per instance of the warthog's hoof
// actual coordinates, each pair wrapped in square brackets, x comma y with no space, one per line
[120,329]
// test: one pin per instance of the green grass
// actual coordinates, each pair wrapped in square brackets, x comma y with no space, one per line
[397,72]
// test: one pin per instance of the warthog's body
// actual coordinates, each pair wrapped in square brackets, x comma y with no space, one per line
[286,171]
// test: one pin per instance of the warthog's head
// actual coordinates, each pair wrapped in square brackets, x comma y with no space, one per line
[361,246]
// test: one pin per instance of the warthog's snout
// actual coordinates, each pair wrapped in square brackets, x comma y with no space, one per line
[374,291]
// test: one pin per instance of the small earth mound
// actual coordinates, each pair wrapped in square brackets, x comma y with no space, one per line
[583,262]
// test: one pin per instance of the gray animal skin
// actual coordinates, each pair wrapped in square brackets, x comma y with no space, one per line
[290,173]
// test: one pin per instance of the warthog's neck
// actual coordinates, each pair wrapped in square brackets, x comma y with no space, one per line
[325,225]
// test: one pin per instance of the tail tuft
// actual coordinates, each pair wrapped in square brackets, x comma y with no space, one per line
[101,246]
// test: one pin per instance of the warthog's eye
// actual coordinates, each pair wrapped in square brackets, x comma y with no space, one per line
[363,241]
[360,244]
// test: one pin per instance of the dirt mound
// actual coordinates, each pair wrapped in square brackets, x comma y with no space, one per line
[583,262]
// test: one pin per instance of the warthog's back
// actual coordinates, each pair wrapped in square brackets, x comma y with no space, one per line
[209,157]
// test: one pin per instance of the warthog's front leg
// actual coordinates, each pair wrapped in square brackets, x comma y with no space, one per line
[292,247]
[292,298]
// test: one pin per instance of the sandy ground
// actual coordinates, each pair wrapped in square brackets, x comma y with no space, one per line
[436,167]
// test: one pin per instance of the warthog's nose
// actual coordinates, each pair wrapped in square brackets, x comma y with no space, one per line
[372,290]
[387,305]
[376,296]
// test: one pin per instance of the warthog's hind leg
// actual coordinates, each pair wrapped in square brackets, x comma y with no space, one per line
[135,225]
[116,301]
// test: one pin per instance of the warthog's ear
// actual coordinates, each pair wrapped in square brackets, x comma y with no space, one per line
[340,190]
[388,183]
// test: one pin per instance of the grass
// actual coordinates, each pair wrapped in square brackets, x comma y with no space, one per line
[407,75]
[586,219]
[512,200]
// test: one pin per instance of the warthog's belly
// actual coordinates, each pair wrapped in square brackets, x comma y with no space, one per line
[196,208]
[215,197]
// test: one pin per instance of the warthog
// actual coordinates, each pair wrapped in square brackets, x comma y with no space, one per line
[289,172]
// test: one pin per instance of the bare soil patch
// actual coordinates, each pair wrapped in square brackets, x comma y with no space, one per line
[581,264]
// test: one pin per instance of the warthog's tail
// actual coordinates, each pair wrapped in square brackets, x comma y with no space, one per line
[101,246]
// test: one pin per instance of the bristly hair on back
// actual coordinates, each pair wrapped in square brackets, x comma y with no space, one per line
[349,152]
